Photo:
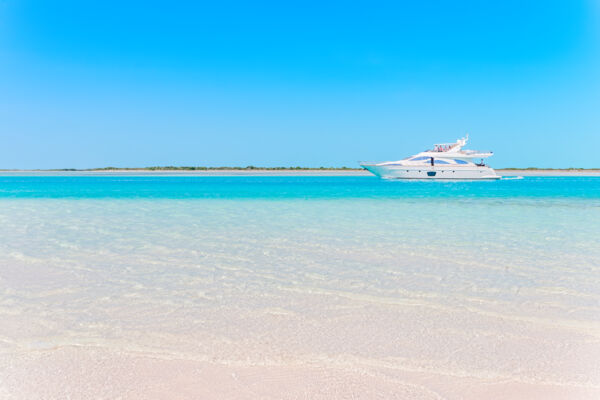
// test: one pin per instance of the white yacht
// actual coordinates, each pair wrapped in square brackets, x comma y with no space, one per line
[444,161]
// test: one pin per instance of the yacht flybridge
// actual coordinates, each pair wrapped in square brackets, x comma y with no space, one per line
[444,161]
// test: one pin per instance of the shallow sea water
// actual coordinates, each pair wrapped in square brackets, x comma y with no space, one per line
[449,286]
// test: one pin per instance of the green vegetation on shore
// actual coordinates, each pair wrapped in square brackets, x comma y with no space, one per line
[253,168]
[298,168]
[184,168]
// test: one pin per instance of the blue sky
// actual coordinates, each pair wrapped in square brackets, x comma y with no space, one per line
[92,84]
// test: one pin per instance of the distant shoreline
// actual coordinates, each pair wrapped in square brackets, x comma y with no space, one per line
[548,172]
[256,171]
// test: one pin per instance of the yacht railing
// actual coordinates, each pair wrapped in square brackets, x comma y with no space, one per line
[476,152]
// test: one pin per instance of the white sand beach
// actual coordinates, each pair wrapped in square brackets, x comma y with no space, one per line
[89,372]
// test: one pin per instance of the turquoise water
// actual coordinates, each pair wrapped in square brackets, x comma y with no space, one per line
[274,187]
[489,281]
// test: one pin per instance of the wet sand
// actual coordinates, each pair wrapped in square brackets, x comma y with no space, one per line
[89,372]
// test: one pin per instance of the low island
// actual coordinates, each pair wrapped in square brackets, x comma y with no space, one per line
[275,171]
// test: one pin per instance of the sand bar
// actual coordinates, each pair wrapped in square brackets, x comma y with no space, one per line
[266,172]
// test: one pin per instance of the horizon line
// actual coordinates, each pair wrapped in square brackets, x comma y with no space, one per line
[252,167]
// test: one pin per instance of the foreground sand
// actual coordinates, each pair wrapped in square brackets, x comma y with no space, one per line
[101,373]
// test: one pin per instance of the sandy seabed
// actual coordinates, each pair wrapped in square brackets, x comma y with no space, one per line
[327,298]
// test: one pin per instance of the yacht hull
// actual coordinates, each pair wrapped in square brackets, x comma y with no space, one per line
[432,172]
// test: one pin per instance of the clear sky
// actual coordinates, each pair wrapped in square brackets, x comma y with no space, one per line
[283,83]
